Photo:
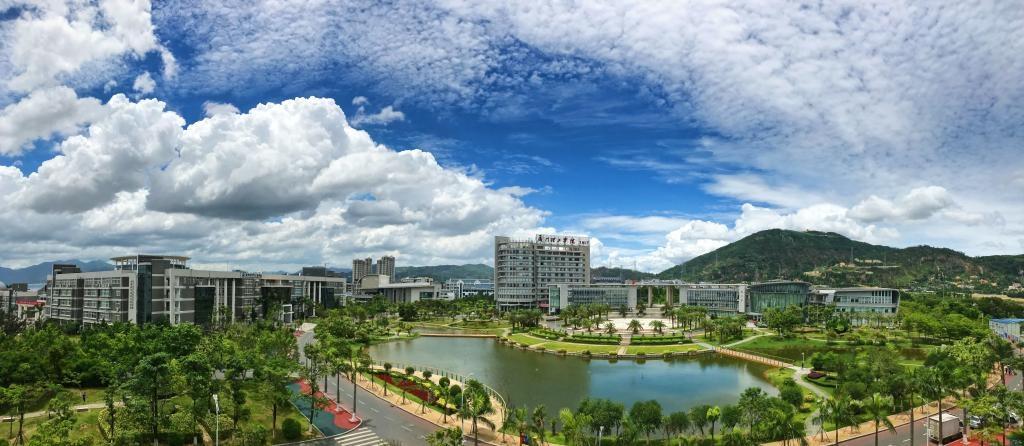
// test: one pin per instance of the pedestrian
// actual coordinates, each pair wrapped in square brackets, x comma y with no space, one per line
[83,396]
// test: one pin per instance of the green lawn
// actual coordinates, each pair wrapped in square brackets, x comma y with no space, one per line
[524,338]
[795,348]
[571,347]
[661,349]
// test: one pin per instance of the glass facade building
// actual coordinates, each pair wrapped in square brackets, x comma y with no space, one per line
[779,295]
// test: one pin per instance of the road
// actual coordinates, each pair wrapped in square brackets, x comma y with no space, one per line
[383,423]
[902,435]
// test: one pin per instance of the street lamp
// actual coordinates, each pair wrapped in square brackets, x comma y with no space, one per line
[801,360]
[216,407]
[463,407]
[599,432]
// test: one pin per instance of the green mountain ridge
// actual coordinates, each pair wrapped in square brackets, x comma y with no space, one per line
[442,273]
[831,259]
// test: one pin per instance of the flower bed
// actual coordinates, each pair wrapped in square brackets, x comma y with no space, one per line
[409,386]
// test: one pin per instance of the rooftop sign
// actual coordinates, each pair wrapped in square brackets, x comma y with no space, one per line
[568,240]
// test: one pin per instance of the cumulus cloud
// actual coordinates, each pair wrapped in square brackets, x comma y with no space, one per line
[42,114]
[50,40]
[144,84]
[279,186]
[211,109]
[918,204]
[385,116]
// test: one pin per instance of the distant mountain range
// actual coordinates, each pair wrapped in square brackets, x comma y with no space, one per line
[37,273]
[442,273]
[831,259]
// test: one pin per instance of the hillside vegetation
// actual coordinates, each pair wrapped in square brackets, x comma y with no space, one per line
[831,259]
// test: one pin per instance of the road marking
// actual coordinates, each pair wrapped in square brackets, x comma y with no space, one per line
[374,409]
[406,427]
[360,437]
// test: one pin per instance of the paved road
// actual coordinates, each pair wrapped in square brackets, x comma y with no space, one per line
[902,435]
[381,420]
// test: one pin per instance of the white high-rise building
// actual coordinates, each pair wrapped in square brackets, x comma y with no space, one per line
[523,269]
[360,268]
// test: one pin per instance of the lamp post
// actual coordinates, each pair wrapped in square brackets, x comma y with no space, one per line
[801,360]
[216,407]
[599,433]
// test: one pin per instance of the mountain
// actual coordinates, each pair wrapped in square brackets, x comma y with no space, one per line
[442,273]
[619,273]
[37,273]
[831,259]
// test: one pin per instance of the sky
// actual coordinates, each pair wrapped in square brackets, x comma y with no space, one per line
[270,135]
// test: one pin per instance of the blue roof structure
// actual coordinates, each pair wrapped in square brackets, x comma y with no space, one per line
[1011,320]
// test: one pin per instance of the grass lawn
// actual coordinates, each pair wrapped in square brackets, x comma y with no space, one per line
[87,427]
[572,347]
[524,338]
[795,348]
[661,349]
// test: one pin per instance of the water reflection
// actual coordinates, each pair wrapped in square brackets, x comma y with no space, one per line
[531,378]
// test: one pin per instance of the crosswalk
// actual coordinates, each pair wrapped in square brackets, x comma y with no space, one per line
[361,437]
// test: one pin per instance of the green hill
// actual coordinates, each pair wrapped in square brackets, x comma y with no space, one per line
[831,259]
[442,273]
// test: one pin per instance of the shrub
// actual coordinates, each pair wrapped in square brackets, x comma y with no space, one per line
[585,353]
[291,429]
[561,351]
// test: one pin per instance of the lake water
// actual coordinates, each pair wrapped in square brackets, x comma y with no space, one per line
[530,378]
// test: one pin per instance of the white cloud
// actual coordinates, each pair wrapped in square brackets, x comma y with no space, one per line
[313,189]
[54,39]
[360,100]
[144,84]
[918,204]
[385,116]
[42,114]
[211,109]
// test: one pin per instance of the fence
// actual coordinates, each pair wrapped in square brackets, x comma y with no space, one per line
[763,359]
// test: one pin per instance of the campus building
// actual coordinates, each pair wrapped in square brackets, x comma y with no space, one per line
[721,299]
[386,267]
[563,295]
[154,288]
[776,294]
[1008,329]
[406,291]
[360,268]
[460,288]
[857,301]
[524,269]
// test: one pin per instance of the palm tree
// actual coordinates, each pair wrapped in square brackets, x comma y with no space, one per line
[609,328]
[387,371]
[713,413]
[635,326]
[877,407]
[657,325]
[538,422]
[477,407]
[821,414]
[841,409]
[574,427]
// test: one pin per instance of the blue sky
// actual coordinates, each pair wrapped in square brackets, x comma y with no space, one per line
[275,135]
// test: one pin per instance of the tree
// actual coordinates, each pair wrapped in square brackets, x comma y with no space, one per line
[477,406]
[197,377]
[841,409]
[444,384]
[712,416]
[646,415]
[609,328]
[148,381]
[445,437]
[602,412]
[657,325]
[623,310]
[877,407]
[574,427]
[635,326]
[387,371]
[678,422]
[790,392]
[699,417]
[538,422]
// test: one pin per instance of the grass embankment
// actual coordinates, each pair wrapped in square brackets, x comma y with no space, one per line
[661,349]
[799,348]
[778,376]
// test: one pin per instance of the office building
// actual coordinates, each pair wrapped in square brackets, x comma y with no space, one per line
[562,296]
[524,269]
[152,288]
[386,267]
[721,299]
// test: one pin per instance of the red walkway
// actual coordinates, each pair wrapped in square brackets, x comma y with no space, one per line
[341,416]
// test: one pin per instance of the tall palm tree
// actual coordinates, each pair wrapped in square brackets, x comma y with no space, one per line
[477,407]
[538,422]
[713,413]
[445,384]
[822,412]
[574,427]
[877,407]
[841,409]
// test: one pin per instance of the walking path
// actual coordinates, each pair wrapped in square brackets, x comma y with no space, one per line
[78,408]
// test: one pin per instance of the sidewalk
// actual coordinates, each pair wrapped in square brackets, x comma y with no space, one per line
[79,408]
